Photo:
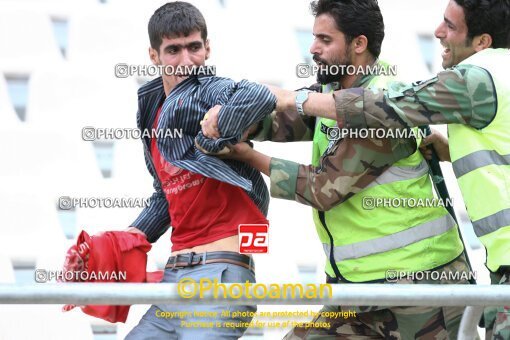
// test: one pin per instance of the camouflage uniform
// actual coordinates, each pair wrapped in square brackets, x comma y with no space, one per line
[496,320]
[395,323]
[462,95]
[348,167]
[345,169]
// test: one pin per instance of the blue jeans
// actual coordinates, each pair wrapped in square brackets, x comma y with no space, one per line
[154,326]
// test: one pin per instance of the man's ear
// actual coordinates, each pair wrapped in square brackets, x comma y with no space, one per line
[153,54]
[359,44]
[481,42]
[207,49]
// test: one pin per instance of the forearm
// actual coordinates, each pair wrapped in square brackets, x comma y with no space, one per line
[284,127]
[154,219]
[317,104]
[248,104]
[256,160]
[242,105]
[320,105]
[347,169]
[285,124]
[465,95]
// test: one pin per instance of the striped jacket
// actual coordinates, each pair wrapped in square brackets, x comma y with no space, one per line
[243,104]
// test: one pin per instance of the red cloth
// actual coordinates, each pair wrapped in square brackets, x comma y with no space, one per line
[202,209]
[114,252]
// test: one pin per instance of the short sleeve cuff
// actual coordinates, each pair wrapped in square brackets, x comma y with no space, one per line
[283,176]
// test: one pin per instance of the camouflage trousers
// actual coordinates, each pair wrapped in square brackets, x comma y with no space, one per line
[496,320]
[395,323]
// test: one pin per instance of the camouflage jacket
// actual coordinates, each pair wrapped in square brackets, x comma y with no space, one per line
[347,168]
[464,94]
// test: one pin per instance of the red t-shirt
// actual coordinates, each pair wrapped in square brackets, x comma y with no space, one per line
[202,210]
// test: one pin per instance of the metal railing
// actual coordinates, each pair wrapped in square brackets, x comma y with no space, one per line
[342,295]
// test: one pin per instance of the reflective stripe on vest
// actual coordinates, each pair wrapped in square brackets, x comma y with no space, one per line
[366,244]
[393,241]
[477,160]
[492,223]
[400,173]
[481,161]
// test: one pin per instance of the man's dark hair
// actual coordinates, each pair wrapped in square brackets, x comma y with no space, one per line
[488,16]
[175,19]
[354,18]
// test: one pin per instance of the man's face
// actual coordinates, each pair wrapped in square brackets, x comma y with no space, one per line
[181,51]
[329,48]
[453,34]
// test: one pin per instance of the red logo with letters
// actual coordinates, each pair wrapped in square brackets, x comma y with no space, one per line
[253,238]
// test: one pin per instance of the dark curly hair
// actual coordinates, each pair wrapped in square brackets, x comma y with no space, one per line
[354,18]
[488,16]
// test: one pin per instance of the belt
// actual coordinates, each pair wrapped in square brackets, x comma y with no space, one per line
[193,259]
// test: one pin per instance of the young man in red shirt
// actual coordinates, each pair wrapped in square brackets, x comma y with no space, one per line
[203,198]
